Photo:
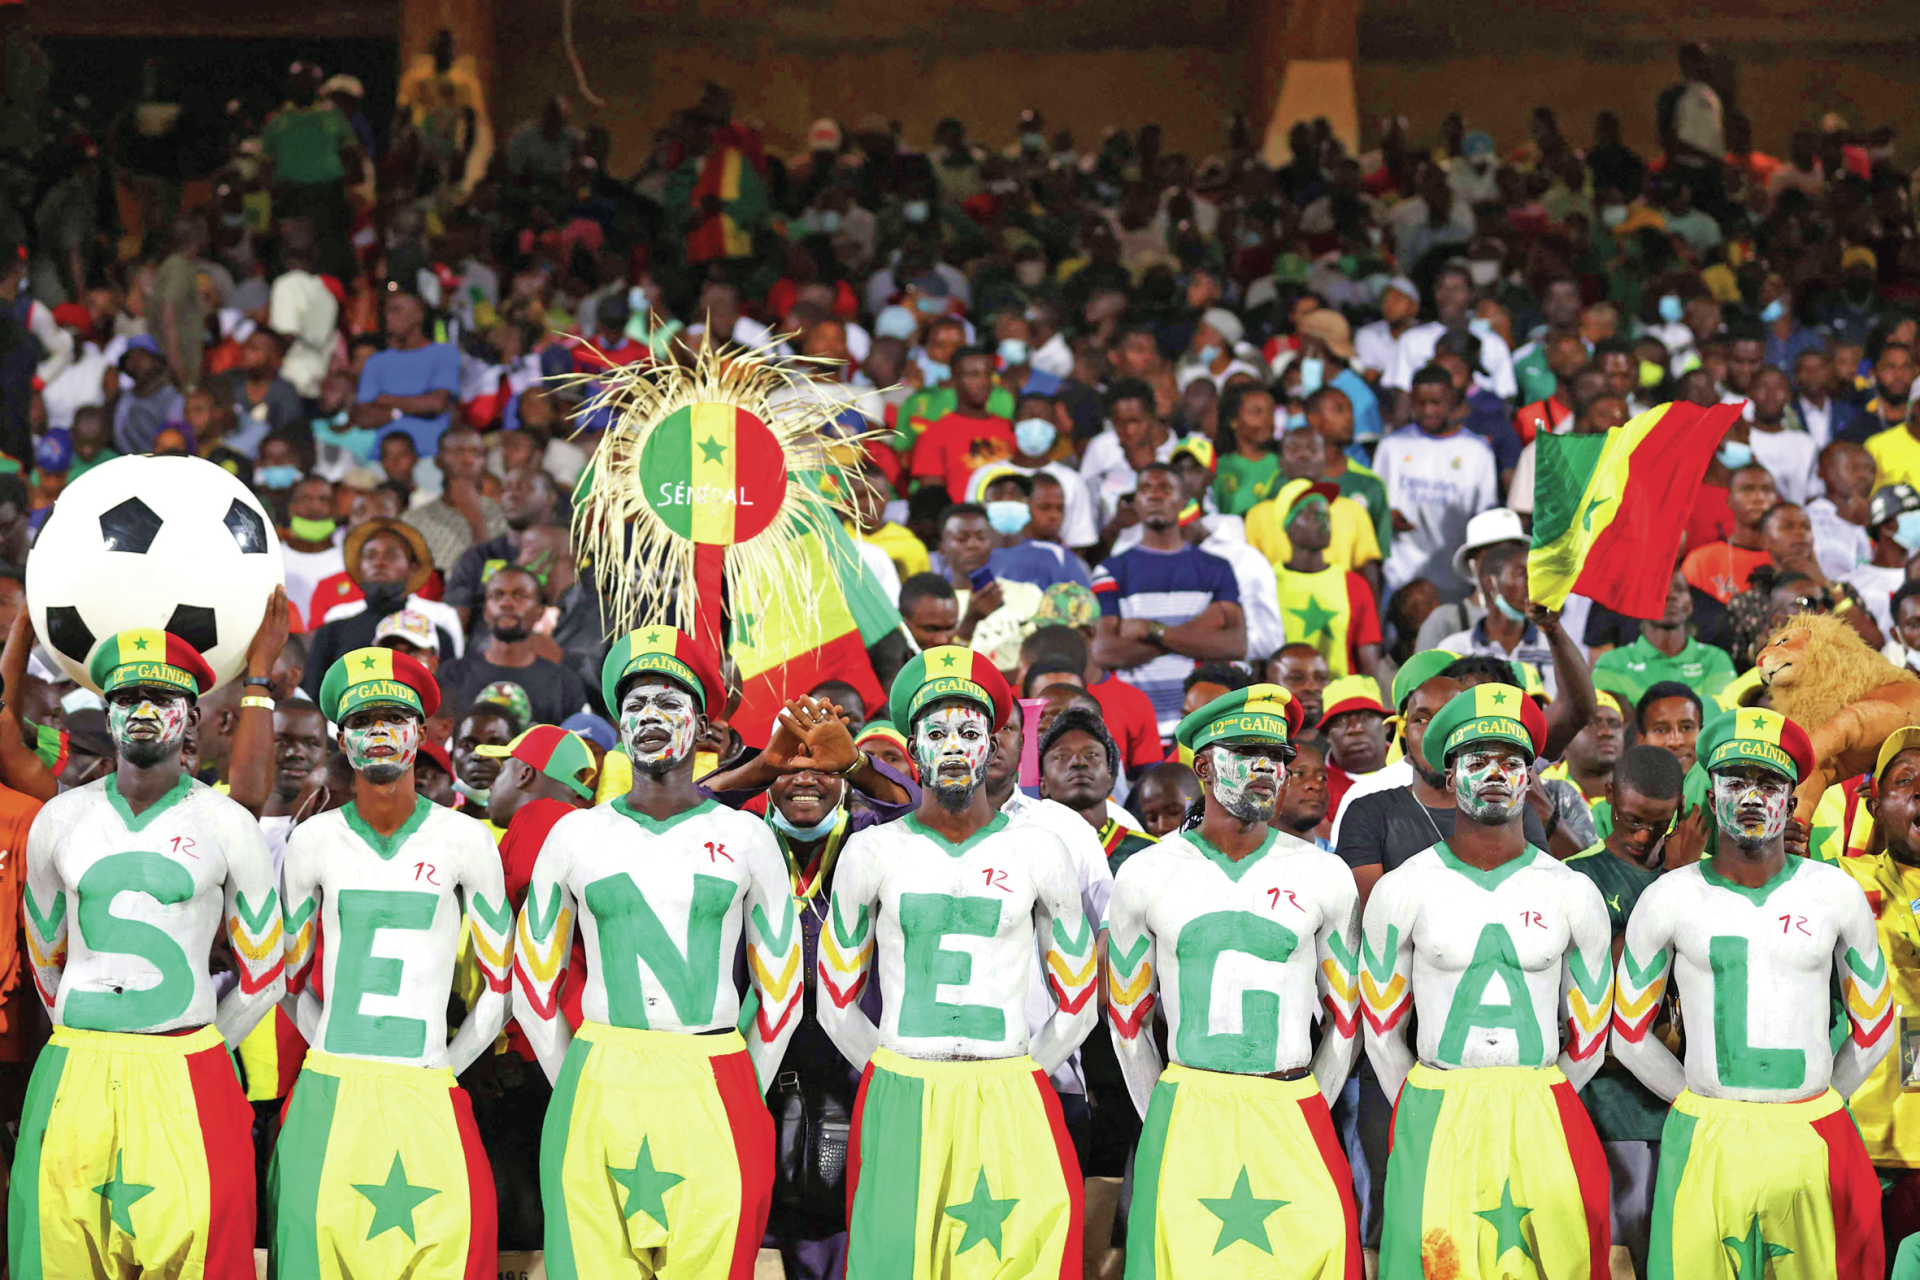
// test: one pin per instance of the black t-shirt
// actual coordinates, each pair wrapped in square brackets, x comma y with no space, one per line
[553,691]
[1388,827]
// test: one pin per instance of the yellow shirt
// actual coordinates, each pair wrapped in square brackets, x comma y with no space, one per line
[1897,454]
[1353,544]
[1889,1116]
[908,553]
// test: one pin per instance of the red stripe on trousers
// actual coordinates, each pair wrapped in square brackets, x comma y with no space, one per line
[1860,1252]
[1590,1169]
[853,1138]
[226,1130]
[290,1051]
[752,1130]
[1320,1125]
[483,1207]
[1070,1258]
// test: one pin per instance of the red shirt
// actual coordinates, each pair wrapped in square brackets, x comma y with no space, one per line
[953,447]
[339,588]
[519,850]
[1539,418]
[1130,719]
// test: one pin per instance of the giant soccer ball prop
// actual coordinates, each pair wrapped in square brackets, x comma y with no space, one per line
[175,543]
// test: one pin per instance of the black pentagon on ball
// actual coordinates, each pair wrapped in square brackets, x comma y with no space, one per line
[68,633]
[248,529]
[195,624]
[130,526]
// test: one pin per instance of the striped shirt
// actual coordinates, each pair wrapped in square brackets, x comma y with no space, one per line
[1169,587]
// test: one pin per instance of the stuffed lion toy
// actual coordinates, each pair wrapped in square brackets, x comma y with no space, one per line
[1848,698]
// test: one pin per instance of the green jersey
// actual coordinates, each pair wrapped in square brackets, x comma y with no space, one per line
[1639,666]
[1623,1109]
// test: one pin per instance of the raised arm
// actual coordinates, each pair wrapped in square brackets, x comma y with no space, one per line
[1575,701]
[1639,981]
[775,953]
[541,946]
[1066,936]
[253,926]
[251,772]
[1132,990]
[1386,985]
[45,903]
[1336,948]
[483,889]
[1586,984]
[846,955]
[1869,996]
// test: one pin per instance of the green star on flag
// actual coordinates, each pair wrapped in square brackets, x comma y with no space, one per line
[1498,699]
[1243,1216]
[1752,1253]
[653,637]
[394,1200]
[1314,618]
[646,1186]
[121,1195]
[141,643]
[367,662]
[1759,722]
[713,450]
[1505,1220]
[983,1216]
[947,660]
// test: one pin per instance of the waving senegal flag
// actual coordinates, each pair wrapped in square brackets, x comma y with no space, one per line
[1608,510]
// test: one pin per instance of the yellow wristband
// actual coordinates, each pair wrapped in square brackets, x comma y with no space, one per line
[264,704]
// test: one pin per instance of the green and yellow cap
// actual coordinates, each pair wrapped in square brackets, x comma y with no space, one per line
[875,730]
[376,677]
[1420,668]
[667,652]
[1502,712]
[1755,735]
[948,671]
[1260,712]
[149,656]
[559,753]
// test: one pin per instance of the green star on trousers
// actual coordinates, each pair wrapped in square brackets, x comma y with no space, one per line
[121,1195]
[1753,1253]
[1505,1219]
[394,1200]
[983,1216]
[646,1186]
[1314,618]
[1243,1216]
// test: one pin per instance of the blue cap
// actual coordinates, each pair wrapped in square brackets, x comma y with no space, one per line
[141,342]
[54,452]
[593,729]
[895,322]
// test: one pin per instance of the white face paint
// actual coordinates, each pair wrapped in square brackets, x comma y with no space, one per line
[1247,783]
[1490,783]
[658,722]
[952,744]
[147,724]
[1751,805]
[381,742]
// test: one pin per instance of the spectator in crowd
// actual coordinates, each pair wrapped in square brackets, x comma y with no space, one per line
[1302,809]
[995,612]
[1893,524]
[1165,794]
[1355,726]
[302,310]
[139,411]
[930,609]
[1248,460]
[512,604]
[1453,299]
[1330,609]
[461,515]
[1590,757]
[411,385]
[1666,651]
[1506,631]
[179,310]
[1825,416]
[1303,671]
[1008,496]
[388,560]
[1789,455]
[527,498]
[1722,569]
[311,155]
[954,446]
[1841,513]
[1888,416]
[263,401]
[1670,715]
[1113,459]
[1437,476]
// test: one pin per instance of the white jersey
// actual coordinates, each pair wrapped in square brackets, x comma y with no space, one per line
[661,906]
[122,911]
[385,914]
[953,926]
[1754,968]
[1241,956]
[1495,962]
[1438,483]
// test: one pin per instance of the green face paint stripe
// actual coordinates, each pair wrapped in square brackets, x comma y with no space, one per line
[387,846]
[1234,870]
[1643,975]
[1495,959]
[293,1178]
[947,846]
[138,822]
[1676,1144]
[854,939]
[134,1009]
[1126,959]
[779,942]
[256,921]
[1740,1064]
[45,925]
[1253,1049]
[1074,944]
[886,1204]
[631,933]
[1873,975]
[1592,985]
[925,920]
[500,918]
[1143,1226]
[1758,897]
[1488,880]
[1413,1124]
[23,1204]
[541,926]
[555,1131]
[658,825]
[1381,965]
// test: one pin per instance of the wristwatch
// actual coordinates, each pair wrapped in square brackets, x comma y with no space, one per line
[1157,633]
[261,682]
[860,761]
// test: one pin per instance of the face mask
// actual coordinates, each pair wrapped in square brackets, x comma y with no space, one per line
[1477,772]
[1650,374]
[1208,355]
[1753,812]
[1034,436]
[1670,308]
[1007,518]
[915,211]
[1483,273]
[793,832]
[161,726]
[1234,772]
[931,306]
[311,530]
[281,476]
[400,738]
[935,372]
[829,221]
[952,745]
[1296,422]
[1507,611]
[1772,311]
[1032,142]
[1312,370]
[1013,351]
[82,699]
[1250,237]
[1030,273]
[1348,264]
[637,300]
[479,797]
[1907,531]
[656,704]
[1734,454]
[1613,215]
